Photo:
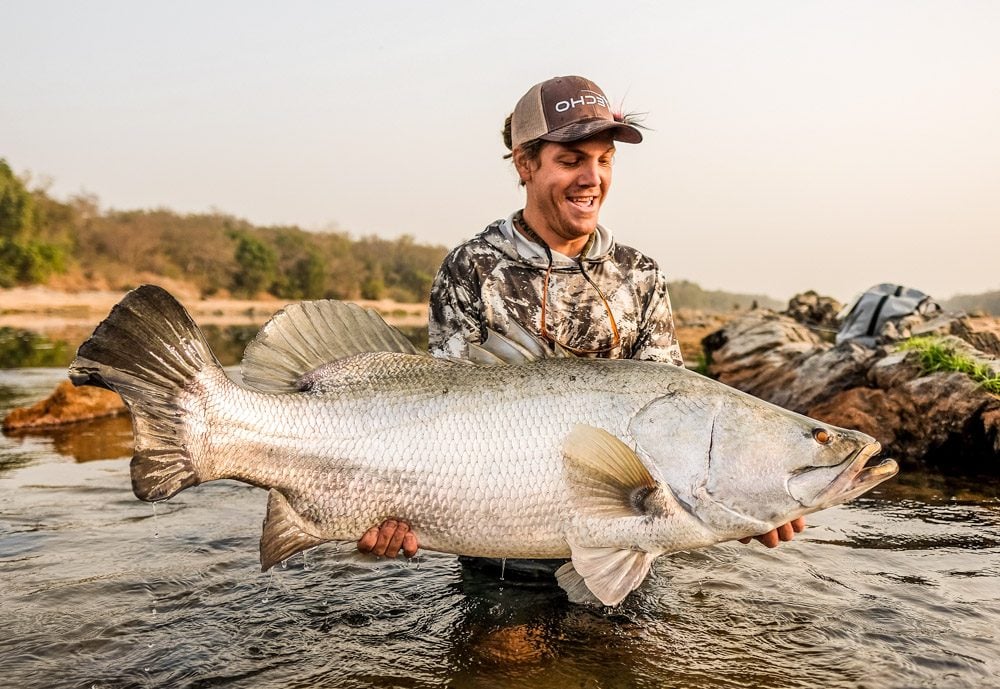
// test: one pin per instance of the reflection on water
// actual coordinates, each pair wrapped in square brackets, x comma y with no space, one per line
[900,589]
[26,349]
[103,438]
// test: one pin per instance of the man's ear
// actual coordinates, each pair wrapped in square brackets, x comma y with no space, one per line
[523,165]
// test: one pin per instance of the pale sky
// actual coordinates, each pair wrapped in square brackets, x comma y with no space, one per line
[794,144]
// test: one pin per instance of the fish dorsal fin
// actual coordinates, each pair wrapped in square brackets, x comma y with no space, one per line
[304,336]
[285,532]
[609,480]
[518,346]
[606,575]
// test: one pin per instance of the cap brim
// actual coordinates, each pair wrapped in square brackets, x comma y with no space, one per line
[582,130]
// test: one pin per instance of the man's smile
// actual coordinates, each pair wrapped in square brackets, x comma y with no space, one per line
[586,202]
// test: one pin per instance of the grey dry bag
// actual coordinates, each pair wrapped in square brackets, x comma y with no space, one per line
[868,315]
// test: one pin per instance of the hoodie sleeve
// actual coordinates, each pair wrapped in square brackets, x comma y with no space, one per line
[657,337]
[455,314]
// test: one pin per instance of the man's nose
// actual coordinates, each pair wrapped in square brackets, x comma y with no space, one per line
[589,174]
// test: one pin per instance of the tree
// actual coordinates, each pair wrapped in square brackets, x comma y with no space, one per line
[24,259]
[258,266]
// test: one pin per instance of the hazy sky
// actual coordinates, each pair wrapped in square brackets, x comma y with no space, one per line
[793,145]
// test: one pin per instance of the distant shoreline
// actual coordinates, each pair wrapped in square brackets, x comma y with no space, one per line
[43,309]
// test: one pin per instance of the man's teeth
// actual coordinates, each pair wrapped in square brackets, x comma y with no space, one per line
[583,200]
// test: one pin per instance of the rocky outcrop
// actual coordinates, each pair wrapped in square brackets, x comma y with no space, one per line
[815,311]
[66,404]
[942,419]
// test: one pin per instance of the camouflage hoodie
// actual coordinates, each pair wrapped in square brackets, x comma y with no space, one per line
[498,276]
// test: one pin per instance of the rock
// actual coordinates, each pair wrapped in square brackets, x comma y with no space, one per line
[864,409]
[811,309]
[962,435]
[942,419]
[777,359]
[692,326]
[66,404]
[982,334]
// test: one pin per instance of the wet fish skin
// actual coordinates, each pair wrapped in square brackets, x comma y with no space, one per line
[611,463]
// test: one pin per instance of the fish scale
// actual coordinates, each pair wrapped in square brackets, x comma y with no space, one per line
[609,463]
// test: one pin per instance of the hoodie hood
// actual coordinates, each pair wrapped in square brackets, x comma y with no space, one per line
[502,236]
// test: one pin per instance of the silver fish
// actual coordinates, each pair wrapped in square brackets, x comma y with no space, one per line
[517,454]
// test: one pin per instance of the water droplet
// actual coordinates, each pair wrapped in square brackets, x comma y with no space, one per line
[264,599]
[503,567]
[284,564]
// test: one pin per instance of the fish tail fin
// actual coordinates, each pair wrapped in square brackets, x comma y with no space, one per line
[150,352]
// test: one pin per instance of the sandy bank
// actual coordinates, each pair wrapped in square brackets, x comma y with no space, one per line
[47,310]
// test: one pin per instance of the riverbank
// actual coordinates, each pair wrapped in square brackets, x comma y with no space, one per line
[58,313]
[45,310]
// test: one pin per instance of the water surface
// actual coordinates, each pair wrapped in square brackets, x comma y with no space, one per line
[899,589]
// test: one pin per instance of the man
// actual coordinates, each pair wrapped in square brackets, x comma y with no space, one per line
[550,267]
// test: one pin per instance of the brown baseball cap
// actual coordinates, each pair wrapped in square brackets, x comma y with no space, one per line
[567,109]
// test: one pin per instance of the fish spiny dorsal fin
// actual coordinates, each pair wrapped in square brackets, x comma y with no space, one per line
[304,336]
[607,574]
[285,532]
[518,346]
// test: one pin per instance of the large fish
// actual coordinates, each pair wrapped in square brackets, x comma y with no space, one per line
[519,455]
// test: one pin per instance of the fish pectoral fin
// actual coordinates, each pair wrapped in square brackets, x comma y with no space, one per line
[609,480]
[285,532]
[604,574]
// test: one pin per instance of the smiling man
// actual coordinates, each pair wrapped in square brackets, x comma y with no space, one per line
[550,267]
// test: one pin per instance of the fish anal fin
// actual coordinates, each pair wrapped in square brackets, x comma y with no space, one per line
[604,574]
[285,532]
[608,479]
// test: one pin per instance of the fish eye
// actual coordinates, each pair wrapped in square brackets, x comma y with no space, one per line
[822,436]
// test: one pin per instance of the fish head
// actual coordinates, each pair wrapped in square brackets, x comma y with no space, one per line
[744,466]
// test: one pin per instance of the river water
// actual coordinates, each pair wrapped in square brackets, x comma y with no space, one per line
[899,589]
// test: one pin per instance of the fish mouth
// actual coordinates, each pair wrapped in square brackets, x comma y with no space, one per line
[862,473]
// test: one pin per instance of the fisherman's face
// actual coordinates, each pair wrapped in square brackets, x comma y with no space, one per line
[567,185]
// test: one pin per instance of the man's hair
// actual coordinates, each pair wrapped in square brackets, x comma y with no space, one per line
[533,149]
[530,149]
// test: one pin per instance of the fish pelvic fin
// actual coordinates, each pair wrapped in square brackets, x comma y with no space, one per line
[608,479]
[150,352]
[285,532]
[603,575]
[305,336]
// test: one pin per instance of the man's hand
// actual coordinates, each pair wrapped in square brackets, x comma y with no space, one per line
[388,538]
[785,532]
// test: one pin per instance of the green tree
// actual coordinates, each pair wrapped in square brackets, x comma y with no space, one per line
[24,259]
[257,266]
[308,277]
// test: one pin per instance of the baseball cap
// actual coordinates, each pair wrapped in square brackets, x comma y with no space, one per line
[567,109]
